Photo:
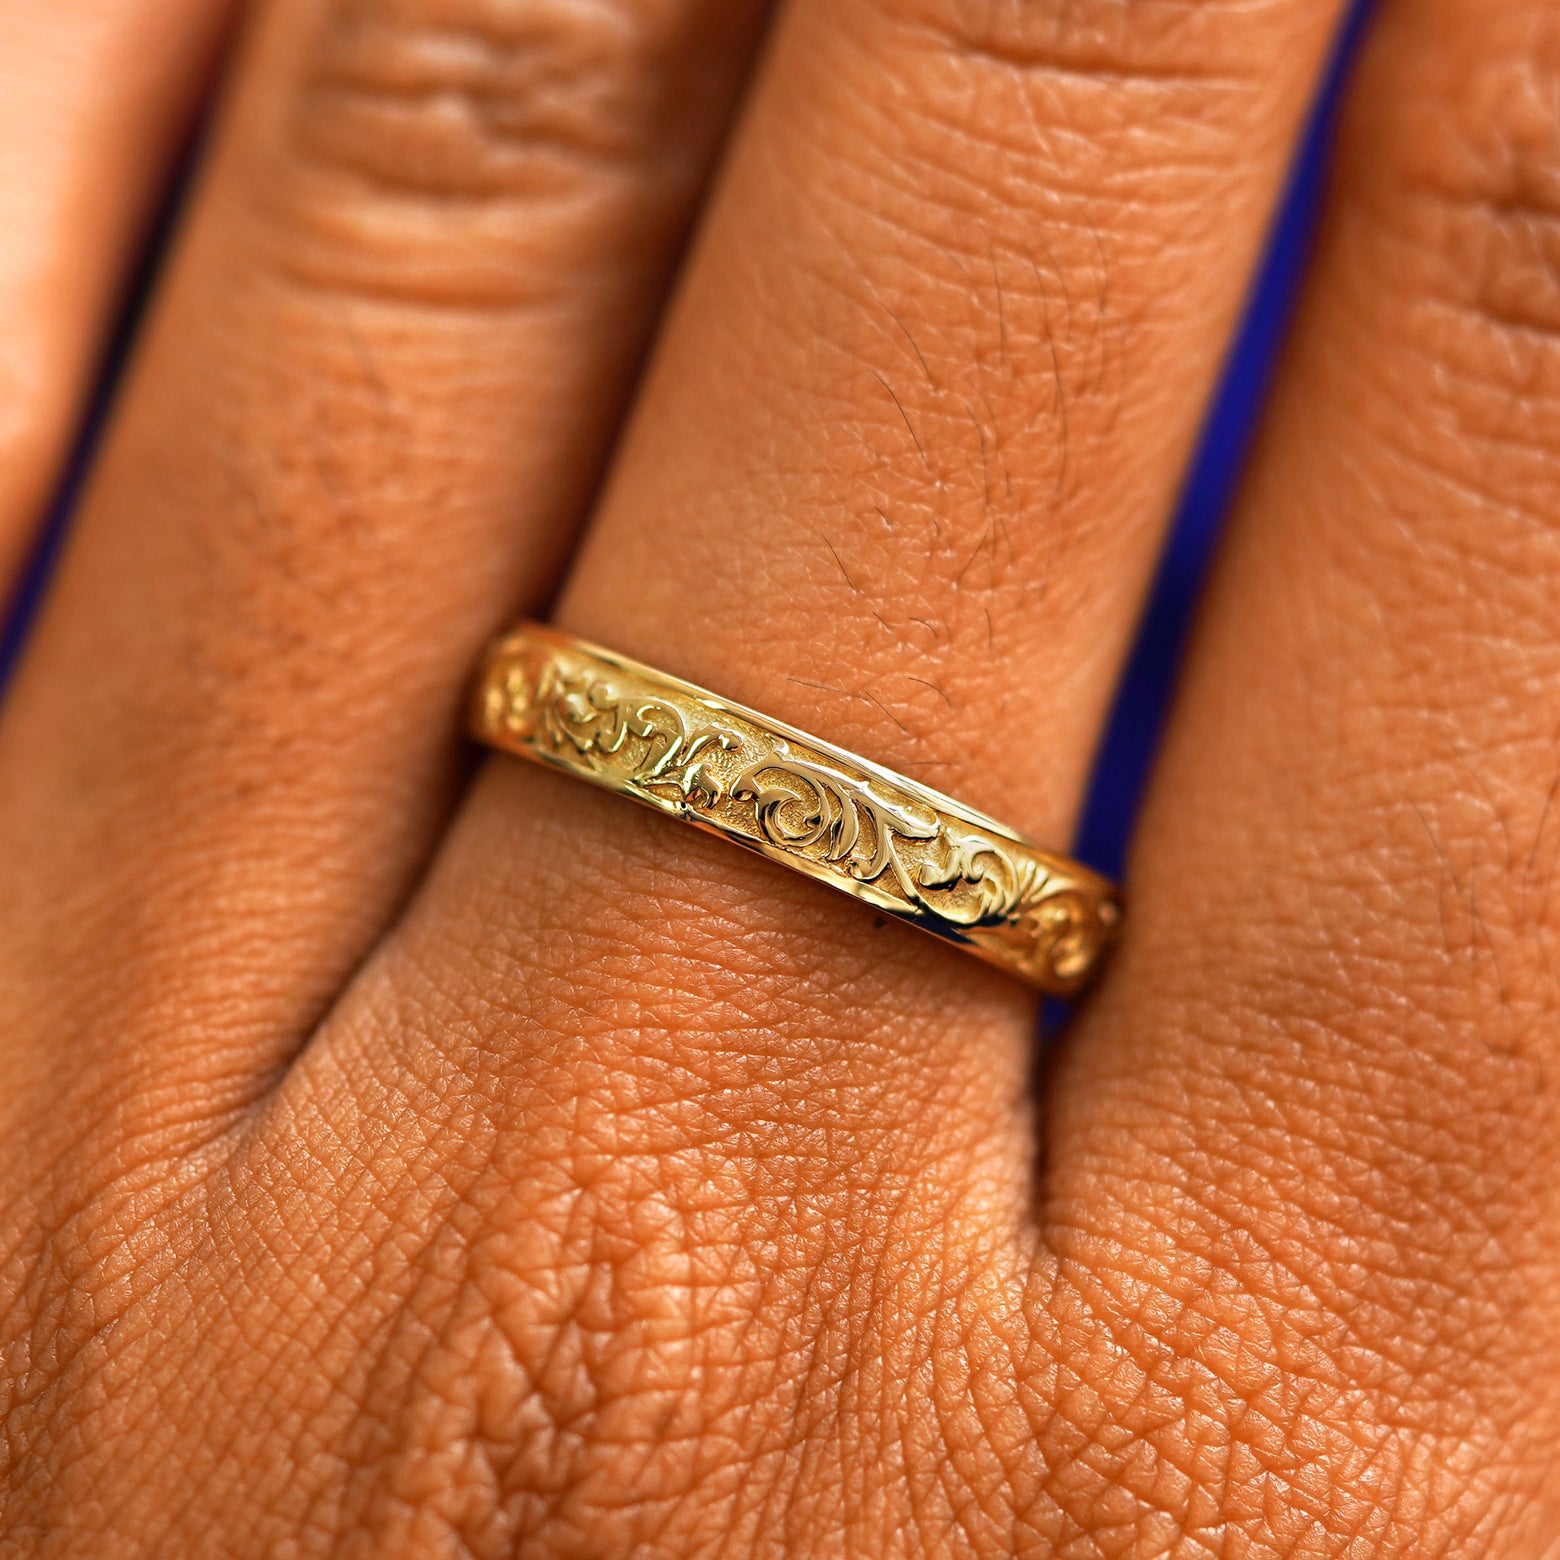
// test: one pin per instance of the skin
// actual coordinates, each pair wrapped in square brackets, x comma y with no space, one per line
[405,1158]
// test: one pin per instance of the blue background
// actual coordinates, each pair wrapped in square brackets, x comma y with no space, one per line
[1127,750]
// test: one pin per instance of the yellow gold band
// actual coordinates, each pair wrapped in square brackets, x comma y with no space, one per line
[900,846]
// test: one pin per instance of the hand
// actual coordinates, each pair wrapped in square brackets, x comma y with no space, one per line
[398,1162]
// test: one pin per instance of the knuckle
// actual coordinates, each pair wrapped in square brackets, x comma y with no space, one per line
[444,154]
[1206,1406]
[487,98]
[631,1369]
[655,1290]
[1443,260]
[547,1379]
[1461,168]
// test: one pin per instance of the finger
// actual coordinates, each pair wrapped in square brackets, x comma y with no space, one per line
[1322,1070]
[89,119]
[750,1163]
[377,388]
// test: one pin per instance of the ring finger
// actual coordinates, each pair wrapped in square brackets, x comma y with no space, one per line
[898,476]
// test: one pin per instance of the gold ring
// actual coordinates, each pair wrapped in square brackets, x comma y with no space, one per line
[902,847]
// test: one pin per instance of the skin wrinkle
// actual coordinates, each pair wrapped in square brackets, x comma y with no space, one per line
[387,187]
[534,109]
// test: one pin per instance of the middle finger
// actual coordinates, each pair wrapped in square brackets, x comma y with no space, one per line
[376,389]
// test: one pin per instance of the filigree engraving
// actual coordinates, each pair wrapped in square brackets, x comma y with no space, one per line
[509,702]
[971,861]
[1067,932]
[883,839]
[858,830]
[596,716]
[965,879]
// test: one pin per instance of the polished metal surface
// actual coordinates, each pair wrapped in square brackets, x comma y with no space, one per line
[898,845]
